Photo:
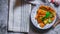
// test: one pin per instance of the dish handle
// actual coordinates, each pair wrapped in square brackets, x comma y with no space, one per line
[57,22]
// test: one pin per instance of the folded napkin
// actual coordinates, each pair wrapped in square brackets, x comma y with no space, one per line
[19,18]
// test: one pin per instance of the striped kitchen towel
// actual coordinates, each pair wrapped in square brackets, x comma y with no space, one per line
[19,17]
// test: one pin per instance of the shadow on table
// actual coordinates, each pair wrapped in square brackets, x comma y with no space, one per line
[19,3]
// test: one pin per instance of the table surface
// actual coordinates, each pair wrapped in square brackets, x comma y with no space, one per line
[4,17]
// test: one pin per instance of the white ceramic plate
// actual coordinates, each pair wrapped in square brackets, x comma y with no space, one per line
[34,21]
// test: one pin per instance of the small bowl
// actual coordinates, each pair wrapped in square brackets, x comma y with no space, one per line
[34,21]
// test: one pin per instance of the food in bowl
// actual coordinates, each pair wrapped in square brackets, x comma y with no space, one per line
[45,15]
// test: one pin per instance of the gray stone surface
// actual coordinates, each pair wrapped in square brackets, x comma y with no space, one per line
[3,21]
[3,16]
